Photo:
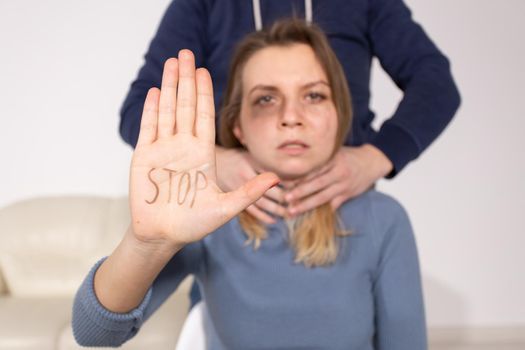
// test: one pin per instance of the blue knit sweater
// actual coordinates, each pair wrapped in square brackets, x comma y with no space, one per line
[358,30]
[370,298]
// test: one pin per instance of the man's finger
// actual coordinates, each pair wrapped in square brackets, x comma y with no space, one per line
[309,188]
[337,201]
[314,201]
[276,194]
[322,170]
[260,215]
[270,206]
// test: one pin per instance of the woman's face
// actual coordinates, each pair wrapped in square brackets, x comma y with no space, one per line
[288,119]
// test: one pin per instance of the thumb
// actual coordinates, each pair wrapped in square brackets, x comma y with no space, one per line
[238,200]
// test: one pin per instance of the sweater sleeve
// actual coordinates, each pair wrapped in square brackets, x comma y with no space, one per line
[94,325]
[430,97]
[183,27]
[398,297]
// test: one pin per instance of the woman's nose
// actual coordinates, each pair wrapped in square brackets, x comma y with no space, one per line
[291,116]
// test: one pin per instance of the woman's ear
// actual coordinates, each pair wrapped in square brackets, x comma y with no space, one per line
[238,133]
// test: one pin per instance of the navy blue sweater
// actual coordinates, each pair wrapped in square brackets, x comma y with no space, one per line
[358,30]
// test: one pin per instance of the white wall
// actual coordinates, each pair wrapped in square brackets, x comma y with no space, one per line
[65,67]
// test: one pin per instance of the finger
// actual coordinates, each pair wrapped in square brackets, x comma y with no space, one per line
[148,123]
[260,215]
[322,170]
[236,201]
[337,201]
[168,98]
[271,207]
[315,200]
[276,194]
[205,123]
[186,94]
[309,188]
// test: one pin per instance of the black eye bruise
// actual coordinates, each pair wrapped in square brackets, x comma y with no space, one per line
[262,100]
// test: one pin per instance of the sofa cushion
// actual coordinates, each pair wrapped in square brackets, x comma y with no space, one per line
[47,245]
[32,323]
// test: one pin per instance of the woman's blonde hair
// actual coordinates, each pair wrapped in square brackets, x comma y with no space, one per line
[314,234]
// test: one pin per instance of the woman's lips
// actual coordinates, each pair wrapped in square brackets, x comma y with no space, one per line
[294,147]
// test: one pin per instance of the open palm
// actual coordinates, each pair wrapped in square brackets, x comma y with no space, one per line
[173,192]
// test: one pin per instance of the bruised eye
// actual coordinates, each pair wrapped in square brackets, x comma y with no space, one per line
[315,97]
[264,100]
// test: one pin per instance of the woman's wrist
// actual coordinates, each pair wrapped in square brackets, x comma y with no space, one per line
[162,249]
[123,279]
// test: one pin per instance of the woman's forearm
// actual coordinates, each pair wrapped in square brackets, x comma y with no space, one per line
[123,279]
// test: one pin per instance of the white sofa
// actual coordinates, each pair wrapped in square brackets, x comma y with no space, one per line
[47,246]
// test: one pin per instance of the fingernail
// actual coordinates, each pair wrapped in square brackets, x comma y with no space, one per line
[184,53]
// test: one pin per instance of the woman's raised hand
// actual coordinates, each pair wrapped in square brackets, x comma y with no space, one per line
[174,197]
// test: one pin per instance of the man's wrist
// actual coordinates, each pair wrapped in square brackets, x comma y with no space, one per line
[380,162]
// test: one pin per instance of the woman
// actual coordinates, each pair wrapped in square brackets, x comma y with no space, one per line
[345,280]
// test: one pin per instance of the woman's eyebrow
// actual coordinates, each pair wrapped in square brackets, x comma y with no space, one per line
[273,88]
[309,85]
[262,87]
